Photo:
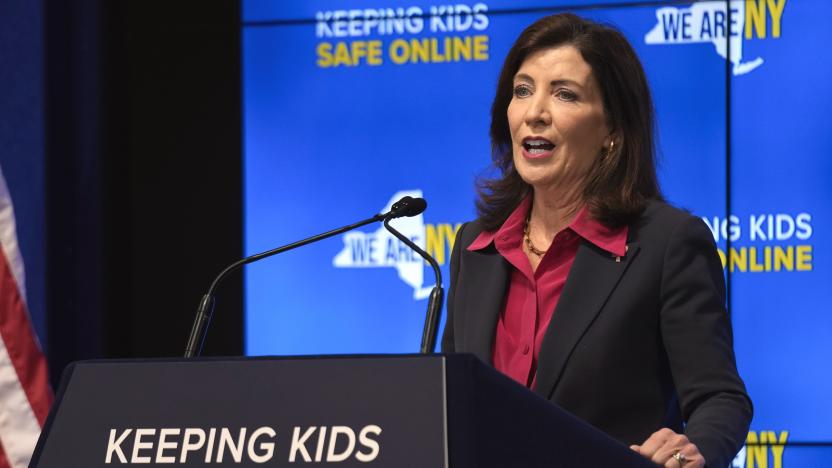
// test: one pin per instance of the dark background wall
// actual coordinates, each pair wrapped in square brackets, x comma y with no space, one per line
[128,188]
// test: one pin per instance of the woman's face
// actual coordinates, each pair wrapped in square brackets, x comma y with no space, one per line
[556,117]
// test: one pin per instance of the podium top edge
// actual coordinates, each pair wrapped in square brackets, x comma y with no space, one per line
[266,358]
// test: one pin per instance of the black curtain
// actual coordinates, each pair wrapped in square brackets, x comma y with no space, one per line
[143,176]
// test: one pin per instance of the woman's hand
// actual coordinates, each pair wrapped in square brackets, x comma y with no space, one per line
[663,446]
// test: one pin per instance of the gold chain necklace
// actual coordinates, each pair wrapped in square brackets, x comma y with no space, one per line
[528,239]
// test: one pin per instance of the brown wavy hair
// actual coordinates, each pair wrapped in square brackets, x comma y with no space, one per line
[620,185]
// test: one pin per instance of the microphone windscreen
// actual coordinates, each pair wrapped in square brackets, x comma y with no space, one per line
[415,206]
[408,206]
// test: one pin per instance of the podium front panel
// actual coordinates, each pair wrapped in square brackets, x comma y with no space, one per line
[344,411]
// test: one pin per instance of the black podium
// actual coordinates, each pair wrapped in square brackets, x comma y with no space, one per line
[375,411]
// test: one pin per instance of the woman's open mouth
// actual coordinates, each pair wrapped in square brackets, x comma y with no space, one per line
[537,147]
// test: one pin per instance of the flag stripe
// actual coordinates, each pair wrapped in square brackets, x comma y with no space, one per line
[25,395]
[19,428]
[21,347]
[8,237]
[3,462]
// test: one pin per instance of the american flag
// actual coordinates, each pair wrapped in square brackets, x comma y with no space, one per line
[25,395]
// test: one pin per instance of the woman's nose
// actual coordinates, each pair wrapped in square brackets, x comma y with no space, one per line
[538,113]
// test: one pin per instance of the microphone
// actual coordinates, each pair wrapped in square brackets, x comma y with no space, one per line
[406,206]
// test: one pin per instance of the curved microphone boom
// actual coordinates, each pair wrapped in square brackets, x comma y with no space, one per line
[411,207]
[406,206]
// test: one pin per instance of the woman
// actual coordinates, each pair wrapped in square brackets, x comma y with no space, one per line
[576,279]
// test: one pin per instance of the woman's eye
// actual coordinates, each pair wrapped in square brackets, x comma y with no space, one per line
[522,91]
[565,95]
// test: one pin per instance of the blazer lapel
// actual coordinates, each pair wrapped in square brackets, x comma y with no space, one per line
[487,280]
[593,276]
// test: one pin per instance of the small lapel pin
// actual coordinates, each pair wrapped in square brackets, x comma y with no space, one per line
[617,258]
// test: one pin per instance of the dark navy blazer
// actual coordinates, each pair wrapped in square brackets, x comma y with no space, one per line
[634,345]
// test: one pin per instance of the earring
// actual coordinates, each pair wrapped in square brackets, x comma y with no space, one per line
[612,145]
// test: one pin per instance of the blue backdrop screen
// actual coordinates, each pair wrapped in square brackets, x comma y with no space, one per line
[350,105]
